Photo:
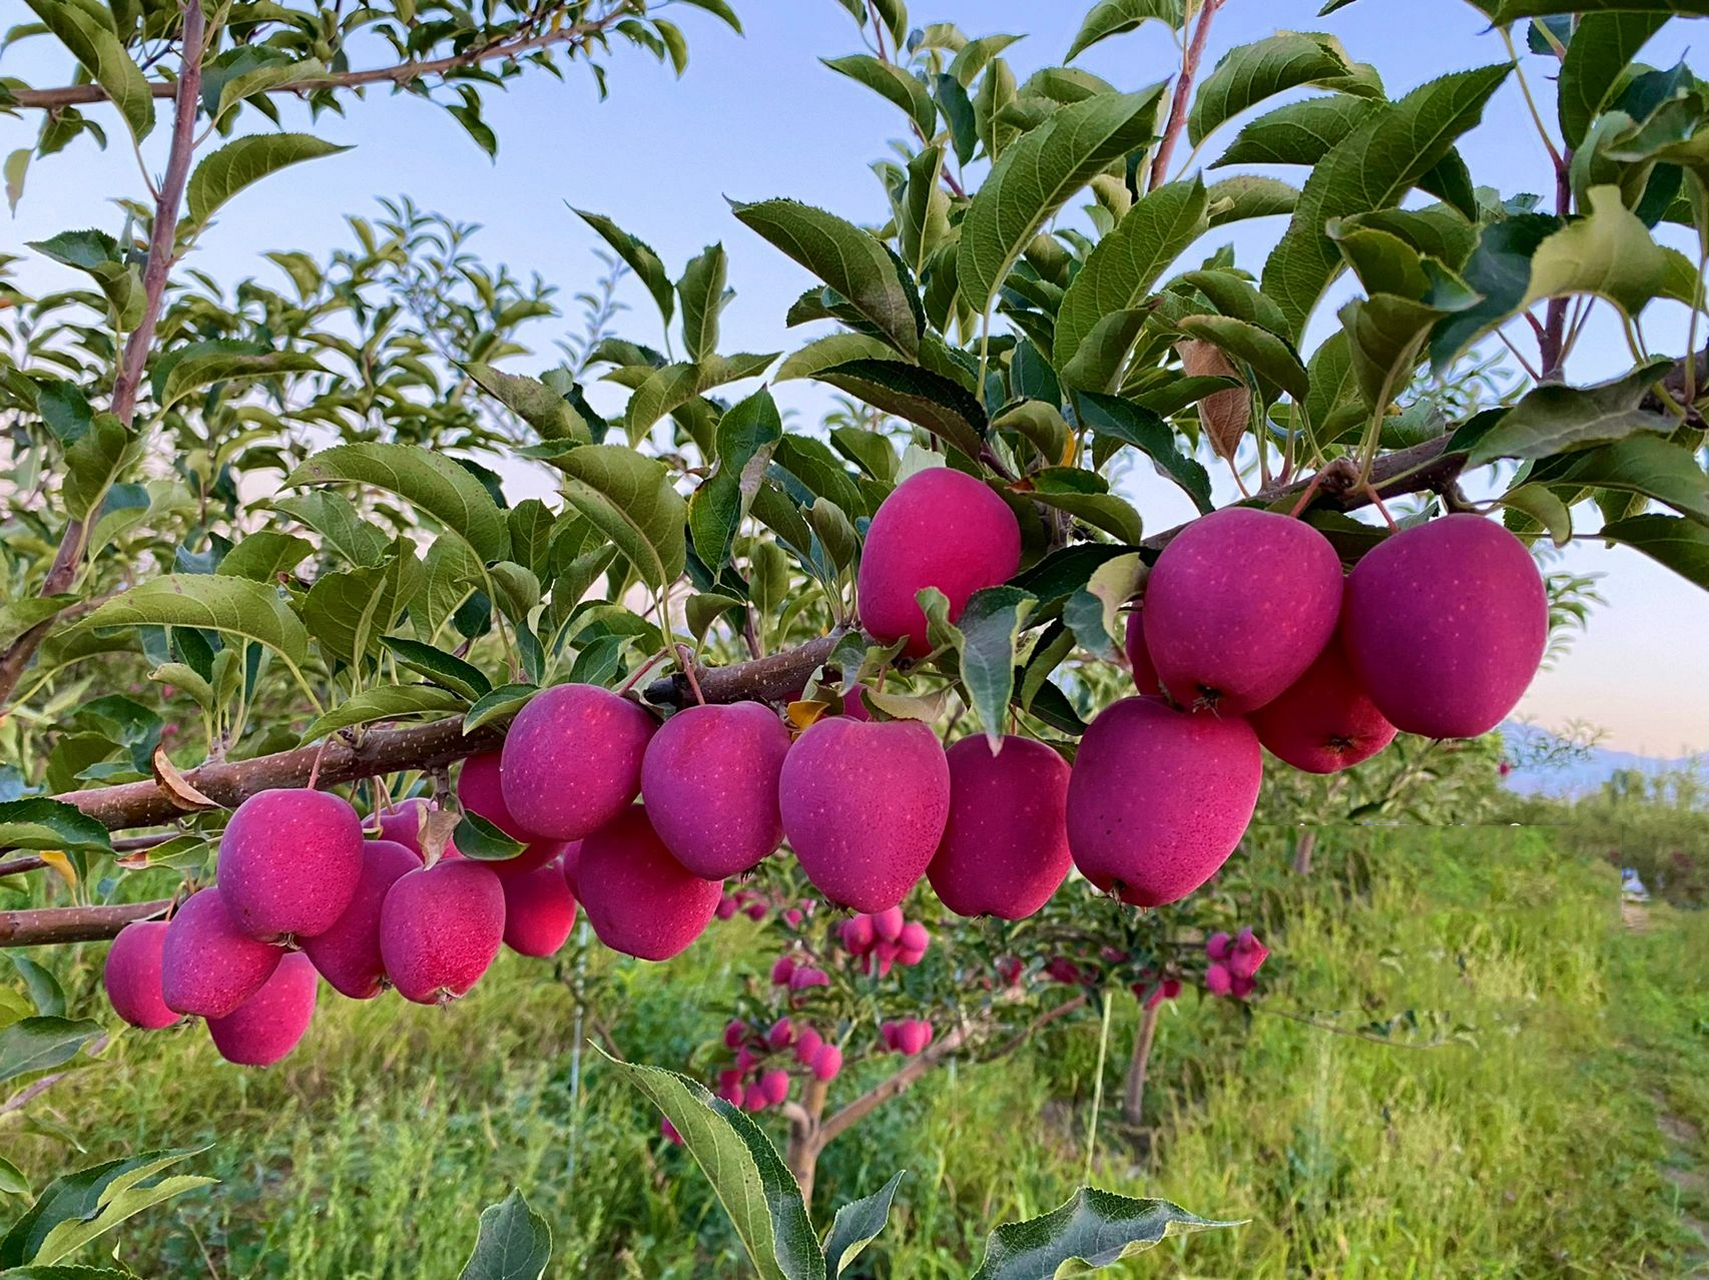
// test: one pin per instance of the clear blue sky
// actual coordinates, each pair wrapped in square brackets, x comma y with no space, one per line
[759,116]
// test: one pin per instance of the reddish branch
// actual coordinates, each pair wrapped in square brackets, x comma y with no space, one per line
[1195,52]
[162,251]
[73,924]
[400,74]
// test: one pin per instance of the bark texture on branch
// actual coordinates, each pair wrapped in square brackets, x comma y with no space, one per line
[141,804]
[39,927]
[769,679]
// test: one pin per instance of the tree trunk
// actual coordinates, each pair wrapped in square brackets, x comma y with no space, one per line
[1302,851]
[1133,1097]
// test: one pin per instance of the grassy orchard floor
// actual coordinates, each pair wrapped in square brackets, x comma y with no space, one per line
[1557,1136]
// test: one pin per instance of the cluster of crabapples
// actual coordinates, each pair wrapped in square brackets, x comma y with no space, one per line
[1248,634]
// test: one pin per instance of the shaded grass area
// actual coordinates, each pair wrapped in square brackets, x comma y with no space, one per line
[1534,1103]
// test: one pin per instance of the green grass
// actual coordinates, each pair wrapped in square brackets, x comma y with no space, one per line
[1543,1119]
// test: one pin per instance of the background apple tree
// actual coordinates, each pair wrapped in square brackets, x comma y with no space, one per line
[257,537]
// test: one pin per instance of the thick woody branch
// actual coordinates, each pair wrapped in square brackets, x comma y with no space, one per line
[400,74]
[46,925]
[769,679]
[882,1092]
[142,804]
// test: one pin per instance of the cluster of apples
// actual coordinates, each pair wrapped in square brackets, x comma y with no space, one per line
[300,892]
[1234,963]
[755,1081]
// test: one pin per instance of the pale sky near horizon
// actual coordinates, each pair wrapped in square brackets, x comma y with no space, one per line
[758,116]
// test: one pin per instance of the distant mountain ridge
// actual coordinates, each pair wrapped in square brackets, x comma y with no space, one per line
[1582,774]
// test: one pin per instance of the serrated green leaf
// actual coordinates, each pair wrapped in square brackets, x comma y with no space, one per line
[98,458]
[1500,269]
[1036,175]
[747,433]
[1597,57]
[12,1179]
[704,608]
[1609,254]
[513,1243]
[1248,196]
[1133,424]
[349,611]
[1544,507]
[444,669]
[1121,271]
[1301,132]
[1100,510]
[41,1044]
[1112,17]
[1554,419]
[386,702]
[221,174]
[428,481]
[77,1208]
[1680,544]
[1372,168]
[1249,73]
[502,703]
[917,395]
[842,255]
[857,1225]
[668,389]
[333,517]
[38,822]
[893,84]
[1642,464]
[630,499]
[19,616]
[702,291]
[264,555]
[638,255]
[987,631]
[235,606]
[832,350]
[188,370]
[1093,1230]
[747,1176]
[534,402]
[92,39]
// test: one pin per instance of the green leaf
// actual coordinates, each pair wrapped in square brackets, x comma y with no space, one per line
[1596,61]
[533,401]
[703,296]
[41,1044]
[188,369]
[16,166]
[1120,272]
[1093,1230]
[1144,430]
[974,56]
[1273,359]
[852,262]
[348,612]
[1036,175]
[924,223]
[1386,335]
[927,399]
[514,1243]
[98,458]
[668,389]
[235,606]
[629,498]
[93,40]
[1100,510]
[1544,507]
[45,992]
[1249,73]
[482,839]
[1099,358]
[428,481]
[1248,196]
[221,174]
[1372,168]
[12,1179]
[832,350]
[333,517]
[444,669]
[1500,269]
[989,627]
[264,555]
[502,703]
[704,608]
[638,255]
[1553,419]
[747,433]
[1646,465]
[77,1208]
[749,1179]
[386,702]
[1501,13]
[249,70]
[1609,254]
[1301,132]
[1112,17]
[1681,545]
[20,616]
[857,1224]
[893,84]
[37,822]
[68,1272]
